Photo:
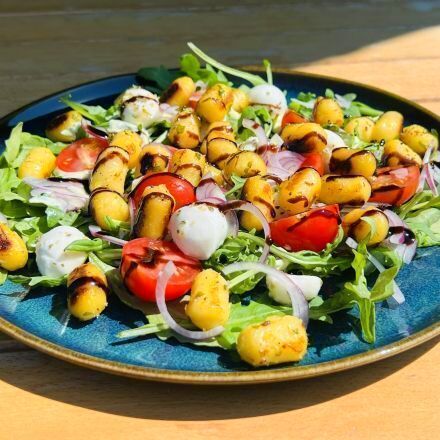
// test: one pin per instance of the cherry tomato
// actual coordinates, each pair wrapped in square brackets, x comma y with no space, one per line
[81,155]
[314,160]
[182,191]
[311,230]
[394,185]
[142,261]
[291,117]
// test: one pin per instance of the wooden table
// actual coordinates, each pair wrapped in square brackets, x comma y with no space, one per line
[48,45]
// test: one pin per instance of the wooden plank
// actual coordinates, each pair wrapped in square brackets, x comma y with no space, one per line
[387,400]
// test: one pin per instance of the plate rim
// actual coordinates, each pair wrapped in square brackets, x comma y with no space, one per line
[224,378]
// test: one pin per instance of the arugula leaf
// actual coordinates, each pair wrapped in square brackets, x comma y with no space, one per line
[99,263]
[87,245]
[95,113]
[40,280]
[190,65]
[255,80]
[303,104]
[233,250]
[235,192]
[117,227]
[159,76]
[267,65]
[356,292]
[306,262]
[98,250]
[358,108]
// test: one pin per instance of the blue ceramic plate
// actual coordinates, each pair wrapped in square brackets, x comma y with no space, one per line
[35,320]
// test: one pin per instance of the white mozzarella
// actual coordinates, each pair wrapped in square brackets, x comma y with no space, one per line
[52,259]
[309,284]
[267,94]
[131,92]
[198,230]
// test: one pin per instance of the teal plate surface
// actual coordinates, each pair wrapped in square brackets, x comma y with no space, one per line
[37,320]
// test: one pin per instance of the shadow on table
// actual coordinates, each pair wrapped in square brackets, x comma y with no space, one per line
[126,397]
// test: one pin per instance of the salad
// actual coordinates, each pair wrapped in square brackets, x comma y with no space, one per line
[229,215]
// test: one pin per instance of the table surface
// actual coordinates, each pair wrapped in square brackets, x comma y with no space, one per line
[49,45]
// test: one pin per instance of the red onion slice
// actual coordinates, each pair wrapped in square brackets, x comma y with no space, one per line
[436,173]
[427,174]
[395,220]
[161,285]
[97,232]
[168,112]
[299,303]
[430,180]
[208,191]
[397,241]
[397,297]
[282,163]
[241,205]
[233,225]
[92,131]
[257,129]
[132,210]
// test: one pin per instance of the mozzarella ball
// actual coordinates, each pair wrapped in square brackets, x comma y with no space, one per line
[52,259]
[130,93]
[141,110]
[198,230]
[268,95]
[309,284]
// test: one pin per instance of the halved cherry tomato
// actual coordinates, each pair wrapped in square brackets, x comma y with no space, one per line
[311,230]
[142,261]
[291,117]
[314,160]
[394,185]
[81,155]
[182,191]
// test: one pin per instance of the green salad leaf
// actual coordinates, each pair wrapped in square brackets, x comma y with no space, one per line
[242,315]
[236,249]
[235,192]
[190,65]
[13,144]
[9,184]
[305,262]
[418,203]
[255,80]
[56,216]
[422,214]
[20,143]
[426,227]
[357,293]
[95,113]
[158,78]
